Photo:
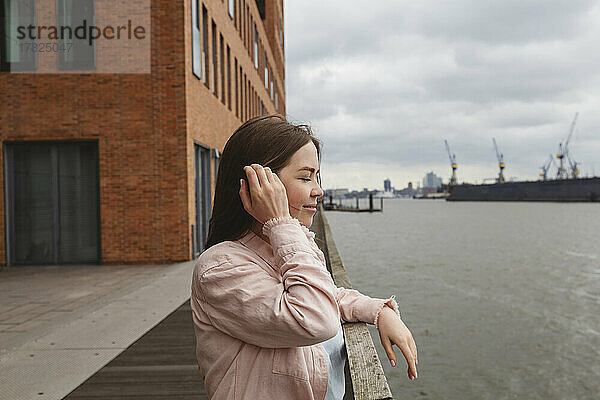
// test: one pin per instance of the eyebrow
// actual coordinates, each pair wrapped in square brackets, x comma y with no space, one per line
[308,169]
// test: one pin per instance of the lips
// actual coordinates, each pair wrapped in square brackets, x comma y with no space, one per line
[311,207]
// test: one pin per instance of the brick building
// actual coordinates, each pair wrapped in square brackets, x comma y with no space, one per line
[109,156]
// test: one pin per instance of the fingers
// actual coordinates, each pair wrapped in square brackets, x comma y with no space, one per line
[253,182]
[245,195]
[410,360]
[270,175]
[278,181]
[260,172]
[413,348]
[389,351]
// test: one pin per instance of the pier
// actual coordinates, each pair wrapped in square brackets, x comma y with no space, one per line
[331,206]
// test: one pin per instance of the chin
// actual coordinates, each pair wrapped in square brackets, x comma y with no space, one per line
[307,222]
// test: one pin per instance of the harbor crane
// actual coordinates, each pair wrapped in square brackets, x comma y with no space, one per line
[574,168]
[452,164]
[563,151]
[546,167]
[500,158]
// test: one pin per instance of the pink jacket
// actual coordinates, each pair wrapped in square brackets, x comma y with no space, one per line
[261,311]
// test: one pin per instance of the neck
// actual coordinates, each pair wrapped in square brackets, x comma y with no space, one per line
[257,229]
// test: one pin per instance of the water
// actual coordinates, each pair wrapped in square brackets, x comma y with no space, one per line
[503,299]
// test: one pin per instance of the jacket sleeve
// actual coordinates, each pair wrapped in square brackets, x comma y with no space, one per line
[357,307]
[244,301]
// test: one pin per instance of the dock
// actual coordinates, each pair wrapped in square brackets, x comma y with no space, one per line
[331,206]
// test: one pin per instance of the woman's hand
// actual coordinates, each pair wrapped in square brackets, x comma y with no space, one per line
[265,197]
[393,331]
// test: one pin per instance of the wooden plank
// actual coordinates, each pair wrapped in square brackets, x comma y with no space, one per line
[368,381]
[160,365]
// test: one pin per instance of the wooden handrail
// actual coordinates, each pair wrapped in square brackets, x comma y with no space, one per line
[367,379]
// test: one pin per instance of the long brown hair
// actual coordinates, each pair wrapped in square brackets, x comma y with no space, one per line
[267,140]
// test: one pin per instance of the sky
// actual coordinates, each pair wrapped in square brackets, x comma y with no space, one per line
[384,83]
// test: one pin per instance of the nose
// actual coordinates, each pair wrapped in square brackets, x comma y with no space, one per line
[317,192]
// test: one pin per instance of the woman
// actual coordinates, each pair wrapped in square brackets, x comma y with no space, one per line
[267,315]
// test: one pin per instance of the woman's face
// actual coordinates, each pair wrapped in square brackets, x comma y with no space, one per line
[300,180]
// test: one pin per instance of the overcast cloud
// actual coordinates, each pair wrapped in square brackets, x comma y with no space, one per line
[383,83]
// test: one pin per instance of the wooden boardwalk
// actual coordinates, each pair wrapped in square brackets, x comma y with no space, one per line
[160,365]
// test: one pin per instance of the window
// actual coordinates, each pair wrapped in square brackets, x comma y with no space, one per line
[70,15]
[229,77]
[196,49]
[248,31]
[248,109]
[276,99]
[238,13]
[222,62]
[238,16]
[266,72]
[262,108]
[205,69]
[52,209]
[203,193]
[217,160]
[255,47]
[245,96]
[261,8]
[214,58]
[237,93]
[271,84]
[231,7]
[13,56]
[246,25]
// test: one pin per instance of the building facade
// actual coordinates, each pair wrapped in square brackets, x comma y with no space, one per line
[387,185]
[104,165]
[431,181]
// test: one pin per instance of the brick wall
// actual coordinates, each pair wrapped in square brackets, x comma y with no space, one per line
[210,122]
[146,125]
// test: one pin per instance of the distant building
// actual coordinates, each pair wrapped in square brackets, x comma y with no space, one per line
[431,180]
[387,185]
[407,191]
[336,193]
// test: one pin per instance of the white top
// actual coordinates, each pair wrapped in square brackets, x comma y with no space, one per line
[336,362]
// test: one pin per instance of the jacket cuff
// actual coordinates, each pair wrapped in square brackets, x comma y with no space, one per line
[391,303]
[286,237]
[273,222]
